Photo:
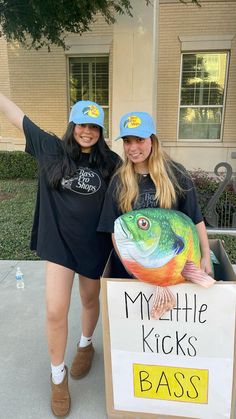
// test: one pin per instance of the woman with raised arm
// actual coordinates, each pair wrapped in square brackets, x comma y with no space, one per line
[73,177]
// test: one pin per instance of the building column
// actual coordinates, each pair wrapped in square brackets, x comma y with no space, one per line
[134,61]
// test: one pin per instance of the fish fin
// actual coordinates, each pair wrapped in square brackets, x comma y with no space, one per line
[179,245]
[163,301]
[196,275]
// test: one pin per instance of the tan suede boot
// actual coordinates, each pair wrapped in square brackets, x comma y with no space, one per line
[82,361]
[60,399]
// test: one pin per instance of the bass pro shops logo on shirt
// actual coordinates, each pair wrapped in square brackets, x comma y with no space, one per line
[85,181]
[146,200]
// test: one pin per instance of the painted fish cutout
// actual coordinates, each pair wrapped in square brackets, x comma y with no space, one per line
[161,247]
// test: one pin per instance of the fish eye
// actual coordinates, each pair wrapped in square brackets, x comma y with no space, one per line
[143,223]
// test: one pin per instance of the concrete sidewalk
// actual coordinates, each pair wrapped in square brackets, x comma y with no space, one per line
[25,368]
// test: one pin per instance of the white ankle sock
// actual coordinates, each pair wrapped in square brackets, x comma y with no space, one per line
[58,373]
[84,341]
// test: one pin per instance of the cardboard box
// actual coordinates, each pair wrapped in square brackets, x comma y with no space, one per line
[115,273]
[224,271]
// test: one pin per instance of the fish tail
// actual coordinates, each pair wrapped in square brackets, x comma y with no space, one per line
[197,275]
[163,301]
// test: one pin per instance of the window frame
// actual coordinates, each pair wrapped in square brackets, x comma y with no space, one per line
[92,55]
[216,140]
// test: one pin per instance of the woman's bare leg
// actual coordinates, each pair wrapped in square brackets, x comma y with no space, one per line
[59,281]
[89,293]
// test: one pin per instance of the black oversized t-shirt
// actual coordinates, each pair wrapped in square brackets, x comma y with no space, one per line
[186,202]
[66,219]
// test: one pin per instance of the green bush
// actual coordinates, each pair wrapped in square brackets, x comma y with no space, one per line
[17,165]
[206,185]
[17,202]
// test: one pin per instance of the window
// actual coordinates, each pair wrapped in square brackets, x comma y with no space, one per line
[89,80]
[202,95]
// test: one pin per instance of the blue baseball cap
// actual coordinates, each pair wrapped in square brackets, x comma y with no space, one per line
[87,112]
[137,124]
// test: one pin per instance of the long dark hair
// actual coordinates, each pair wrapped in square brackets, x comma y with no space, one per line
[70,154]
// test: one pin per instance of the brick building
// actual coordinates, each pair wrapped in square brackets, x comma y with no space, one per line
[176,61]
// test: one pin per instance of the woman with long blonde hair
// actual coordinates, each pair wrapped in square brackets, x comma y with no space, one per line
[148,178]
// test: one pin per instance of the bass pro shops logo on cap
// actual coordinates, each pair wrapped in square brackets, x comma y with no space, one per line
[87,112]
[133,121]
[91,110]
[137,124]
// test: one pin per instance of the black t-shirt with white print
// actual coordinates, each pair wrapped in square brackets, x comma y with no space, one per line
[66,219]
[186,203]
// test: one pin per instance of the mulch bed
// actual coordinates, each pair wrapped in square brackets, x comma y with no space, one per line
[5,195]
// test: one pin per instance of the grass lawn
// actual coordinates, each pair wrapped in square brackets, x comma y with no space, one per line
[17,200]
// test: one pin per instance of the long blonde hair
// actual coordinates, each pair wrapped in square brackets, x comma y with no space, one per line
[160,168]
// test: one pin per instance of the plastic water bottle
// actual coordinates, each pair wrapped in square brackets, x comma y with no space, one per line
[19,279]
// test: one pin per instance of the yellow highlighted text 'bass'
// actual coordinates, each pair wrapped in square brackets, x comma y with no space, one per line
[171,383]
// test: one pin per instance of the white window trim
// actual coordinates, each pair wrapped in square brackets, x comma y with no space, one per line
[206,42]
[90,46]
[184,140]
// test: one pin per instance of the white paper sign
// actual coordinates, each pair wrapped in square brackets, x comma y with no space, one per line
[181,364]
